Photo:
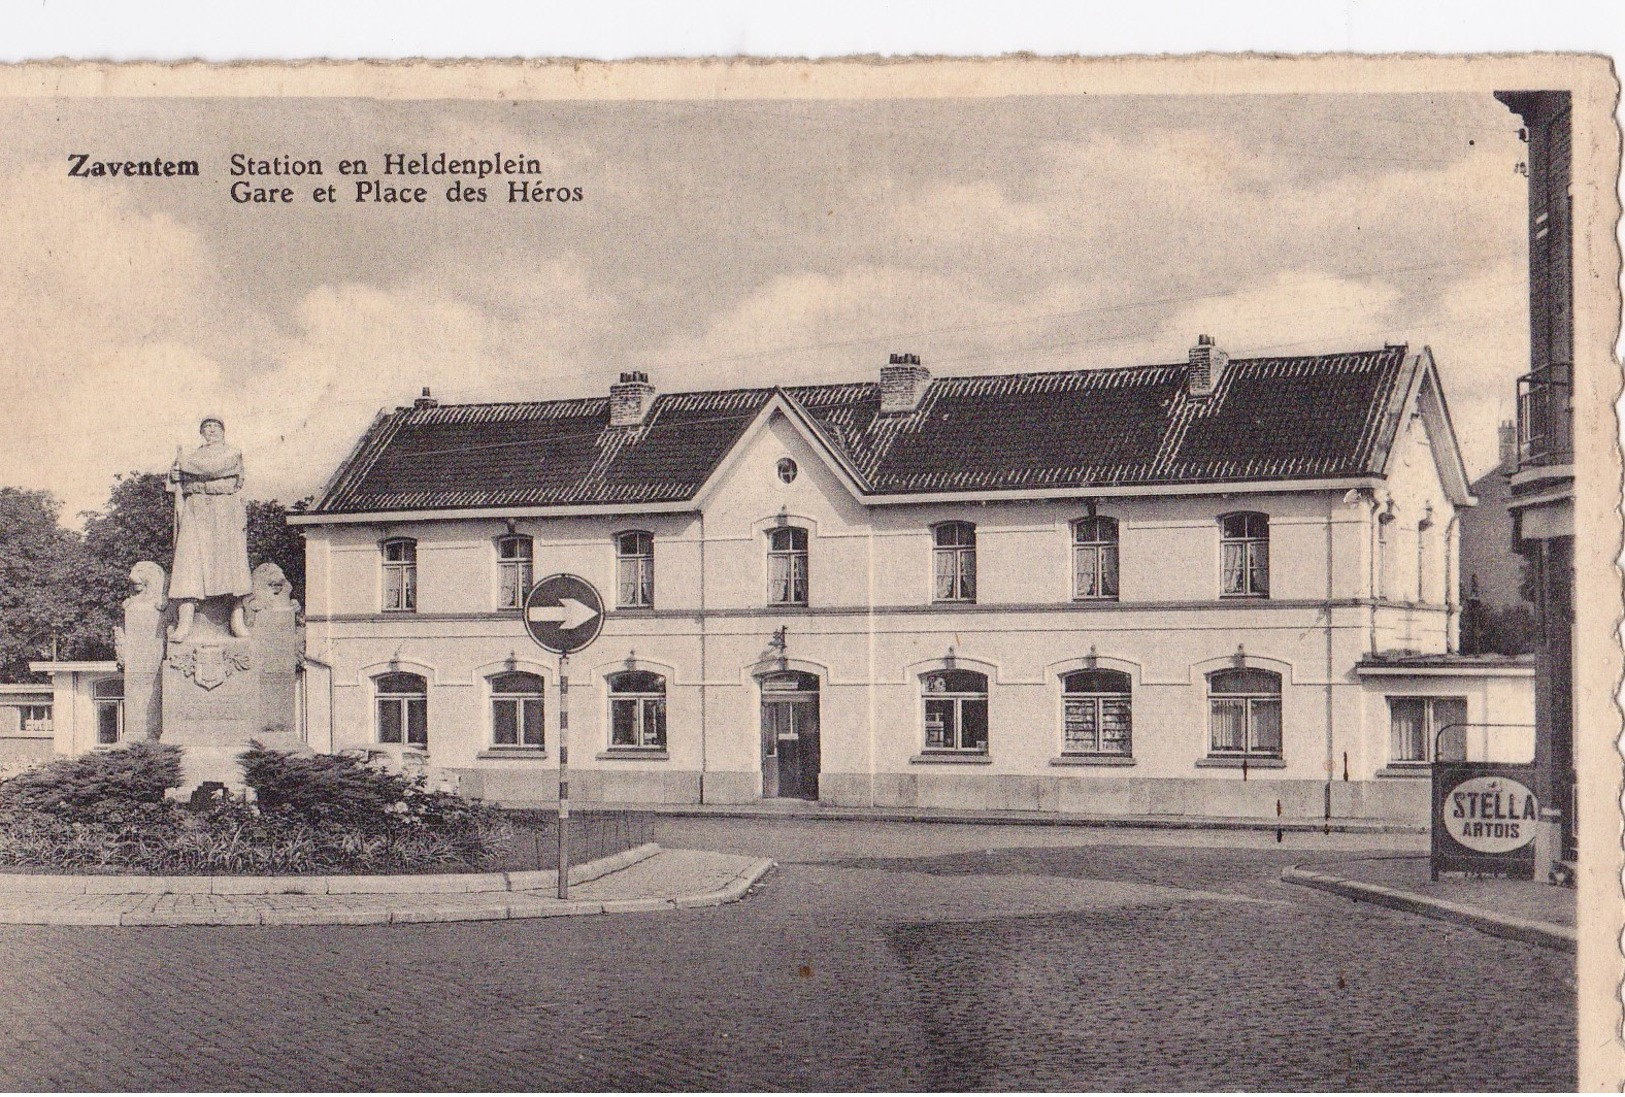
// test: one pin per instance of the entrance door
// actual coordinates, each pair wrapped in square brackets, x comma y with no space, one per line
[790,739]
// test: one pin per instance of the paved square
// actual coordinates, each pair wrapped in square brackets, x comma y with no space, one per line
[877,956]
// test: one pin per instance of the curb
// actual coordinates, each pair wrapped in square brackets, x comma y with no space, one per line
[1000,817]
[449,883]
[506,903]
[1525,930]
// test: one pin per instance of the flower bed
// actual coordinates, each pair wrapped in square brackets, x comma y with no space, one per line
[325,814]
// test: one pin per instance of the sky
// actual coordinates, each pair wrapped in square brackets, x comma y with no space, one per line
[726,243]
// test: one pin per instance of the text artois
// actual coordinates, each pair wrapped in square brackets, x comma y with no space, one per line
[81,166]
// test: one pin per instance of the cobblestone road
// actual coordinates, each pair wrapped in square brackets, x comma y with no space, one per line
[878,956]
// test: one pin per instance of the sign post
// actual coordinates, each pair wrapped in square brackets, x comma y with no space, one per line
[563,614]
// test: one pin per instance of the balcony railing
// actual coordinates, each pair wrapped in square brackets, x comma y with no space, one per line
[1545,417]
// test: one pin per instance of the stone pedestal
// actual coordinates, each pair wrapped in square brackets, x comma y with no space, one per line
[222,691]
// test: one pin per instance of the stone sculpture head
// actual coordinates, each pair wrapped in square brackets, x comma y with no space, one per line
[271,587]
[149,582]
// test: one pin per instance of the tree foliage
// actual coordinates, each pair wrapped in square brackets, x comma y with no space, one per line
[38,562]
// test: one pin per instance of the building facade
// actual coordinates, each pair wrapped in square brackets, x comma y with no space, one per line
[1217,588]
[1542,485]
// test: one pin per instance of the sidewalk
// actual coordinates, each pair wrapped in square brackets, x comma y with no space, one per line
[809,809]
[1522,910]
[640,880]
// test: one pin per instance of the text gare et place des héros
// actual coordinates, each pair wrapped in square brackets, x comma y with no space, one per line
[473,179]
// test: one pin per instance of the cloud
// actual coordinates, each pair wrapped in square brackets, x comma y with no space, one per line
[746,245]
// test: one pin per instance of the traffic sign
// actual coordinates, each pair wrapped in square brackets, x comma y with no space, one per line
[563,613]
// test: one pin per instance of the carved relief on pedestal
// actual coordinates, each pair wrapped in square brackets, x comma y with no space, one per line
[209,664]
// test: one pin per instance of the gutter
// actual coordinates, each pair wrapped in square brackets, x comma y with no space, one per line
[1017,495]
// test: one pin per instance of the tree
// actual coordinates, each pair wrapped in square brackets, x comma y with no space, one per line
[138,523]
[271,539]
[39,563]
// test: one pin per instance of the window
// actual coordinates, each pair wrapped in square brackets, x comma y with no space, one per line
[109,699]
[401,575]
[637,711]
[787,566]
[1415,723]
[1094,558]
[635,569]
[787,470]
[514,571]
[955,710]
[955,562]
[1245,546]
[1095,706]
[36,719]
[1245,713]
[516,710]
[403,709]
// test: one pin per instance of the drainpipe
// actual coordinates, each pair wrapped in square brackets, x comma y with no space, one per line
[1331,513]
[1452,608]
[704,675]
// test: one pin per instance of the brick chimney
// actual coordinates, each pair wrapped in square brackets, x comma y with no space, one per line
[630,400]
[1508,435]
[903,382]
[1206,363]
[425,401]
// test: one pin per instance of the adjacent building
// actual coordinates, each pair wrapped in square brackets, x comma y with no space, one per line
[1542,486]
[1218,587]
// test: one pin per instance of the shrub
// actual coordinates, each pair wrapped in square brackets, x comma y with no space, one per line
[113,781]
[313,815]
[321,786]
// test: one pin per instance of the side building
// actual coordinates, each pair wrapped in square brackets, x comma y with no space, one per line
[1219,587]
[1542,485]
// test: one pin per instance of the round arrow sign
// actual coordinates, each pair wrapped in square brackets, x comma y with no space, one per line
[563,613]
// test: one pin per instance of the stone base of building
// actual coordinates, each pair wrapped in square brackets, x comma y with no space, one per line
[1388,800]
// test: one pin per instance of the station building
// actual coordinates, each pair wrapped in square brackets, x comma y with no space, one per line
[1217,587]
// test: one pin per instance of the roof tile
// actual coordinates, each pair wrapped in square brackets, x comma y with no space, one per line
[1315,416]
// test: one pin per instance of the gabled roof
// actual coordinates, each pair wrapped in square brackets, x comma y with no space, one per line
[1312,417]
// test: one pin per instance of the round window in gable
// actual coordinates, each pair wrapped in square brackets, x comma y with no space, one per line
[787,470]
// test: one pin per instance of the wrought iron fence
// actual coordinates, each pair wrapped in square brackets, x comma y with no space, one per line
[593,834]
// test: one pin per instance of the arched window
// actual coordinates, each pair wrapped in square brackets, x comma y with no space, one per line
[514,571]
[1244,713]
[400,575]
[954,562]
[955,710]
[1094,558]
[516,710]
[787,566]
[1096,713]
[1245,555]
[403,708]
[637,711]
[109,699]
[635,569]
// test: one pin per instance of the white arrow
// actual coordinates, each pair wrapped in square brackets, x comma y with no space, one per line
[569,614]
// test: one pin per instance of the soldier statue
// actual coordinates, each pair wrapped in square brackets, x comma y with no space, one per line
[211,534]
